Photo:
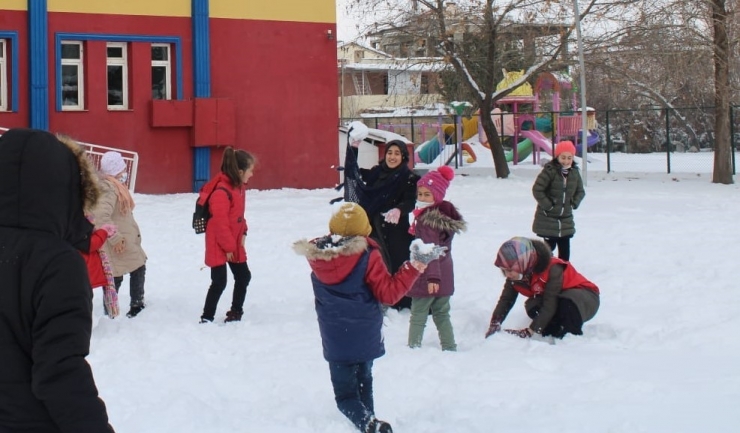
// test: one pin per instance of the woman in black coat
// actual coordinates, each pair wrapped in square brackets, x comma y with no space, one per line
[390,195]
[46,386]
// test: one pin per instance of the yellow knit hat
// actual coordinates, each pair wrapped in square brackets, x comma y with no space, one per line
[350,220]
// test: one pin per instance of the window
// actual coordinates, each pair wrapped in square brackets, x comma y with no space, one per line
[161,82]
[3,75]
[117,76]
[73,77]
[424,84]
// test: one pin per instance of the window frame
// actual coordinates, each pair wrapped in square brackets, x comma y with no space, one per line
[59,37]
[123,62]
[167,64]
[3,75]
[80,63]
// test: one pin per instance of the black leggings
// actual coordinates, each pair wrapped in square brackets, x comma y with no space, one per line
[567,319]
[562,244]
[136,285]
[242,276]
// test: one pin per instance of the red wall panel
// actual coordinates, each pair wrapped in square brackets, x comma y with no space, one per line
[282,77]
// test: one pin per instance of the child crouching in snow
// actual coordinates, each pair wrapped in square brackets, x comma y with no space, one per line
[559,300]
[434,221]
[350,282]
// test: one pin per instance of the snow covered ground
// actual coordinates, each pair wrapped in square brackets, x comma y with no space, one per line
[661,355]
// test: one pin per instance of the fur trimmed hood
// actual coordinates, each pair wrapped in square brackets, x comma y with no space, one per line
[444,217]
[333,257]
[89,178]
[330,247]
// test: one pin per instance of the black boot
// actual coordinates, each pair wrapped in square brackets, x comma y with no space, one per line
[234,316]
[134,311]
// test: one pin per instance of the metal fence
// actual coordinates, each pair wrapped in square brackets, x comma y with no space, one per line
[669,140]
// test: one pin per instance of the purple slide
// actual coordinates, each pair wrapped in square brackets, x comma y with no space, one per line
[591,139]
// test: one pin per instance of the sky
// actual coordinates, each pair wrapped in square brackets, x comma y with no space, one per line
[661,355]
[346,30]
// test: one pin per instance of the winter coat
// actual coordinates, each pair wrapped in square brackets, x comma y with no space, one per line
[438,224]
[108,211]
[557,196]
[46,386]
[93,261]
[350,281]
[394,239]
[227,227]
[559,279]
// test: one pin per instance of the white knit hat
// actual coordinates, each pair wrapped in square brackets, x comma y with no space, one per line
[112,163]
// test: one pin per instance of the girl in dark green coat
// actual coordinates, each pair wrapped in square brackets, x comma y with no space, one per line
[558,190]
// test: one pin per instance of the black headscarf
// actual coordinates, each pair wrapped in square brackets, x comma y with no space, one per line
[374,190]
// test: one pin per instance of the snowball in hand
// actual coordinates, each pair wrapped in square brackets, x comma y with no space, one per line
[358,131]
[425,253]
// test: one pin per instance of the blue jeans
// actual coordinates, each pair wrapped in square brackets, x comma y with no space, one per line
[353,391]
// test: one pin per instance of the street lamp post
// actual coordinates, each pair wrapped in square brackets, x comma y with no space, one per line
[584,120]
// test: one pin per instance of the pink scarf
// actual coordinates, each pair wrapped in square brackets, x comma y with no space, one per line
[110,296]
[125,201]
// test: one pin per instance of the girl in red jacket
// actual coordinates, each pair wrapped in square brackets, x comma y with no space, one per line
[226,232]
[559,300]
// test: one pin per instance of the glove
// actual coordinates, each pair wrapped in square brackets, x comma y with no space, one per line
[426,254]
[493,328]
[110,229]
[110,302]
[521,333]
[393,215]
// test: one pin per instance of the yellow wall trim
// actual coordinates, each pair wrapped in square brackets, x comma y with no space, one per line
[163,8]
[309,11]
[14,5]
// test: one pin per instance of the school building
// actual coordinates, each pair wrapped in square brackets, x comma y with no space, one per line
[177,81]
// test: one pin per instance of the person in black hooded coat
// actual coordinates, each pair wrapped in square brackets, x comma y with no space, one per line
[46,385]
[390,197]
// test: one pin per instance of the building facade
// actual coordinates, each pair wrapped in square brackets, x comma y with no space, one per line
[177,81]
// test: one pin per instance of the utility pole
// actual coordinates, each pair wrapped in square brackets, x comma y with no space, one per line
[584,120]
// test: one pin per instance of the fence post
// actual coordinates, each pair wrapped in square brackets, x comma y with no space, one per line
[376,123]
[608,144]
[412,130]
[668,140]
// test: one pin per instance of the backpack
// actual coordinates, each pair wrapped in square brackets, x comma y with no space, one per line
[202,213]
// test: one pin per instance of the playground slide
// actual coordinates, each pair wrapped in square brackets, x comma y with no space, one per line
[591,139]
[428,151]
[540,141]
[523,150]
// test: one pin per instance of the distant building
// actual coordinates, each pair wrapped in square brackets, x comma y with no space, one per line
[371,80]
[176,81]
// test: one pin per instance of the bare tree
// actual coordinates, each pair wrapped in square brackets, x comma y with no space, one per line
[665,53]
[722,149]
[473,36]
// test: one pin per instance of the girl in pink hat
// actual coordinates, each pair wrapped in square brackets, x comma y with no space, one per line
[558,191]
[435,221]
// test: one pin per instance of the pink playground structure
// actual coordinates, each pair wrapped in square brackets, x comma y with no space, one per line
[526,119]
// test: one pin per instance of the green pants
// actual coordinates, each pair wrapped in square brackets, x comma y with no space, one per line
[440,308]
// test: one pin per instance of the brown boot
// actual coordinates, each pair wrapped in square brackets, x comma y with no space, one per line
[233,316]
